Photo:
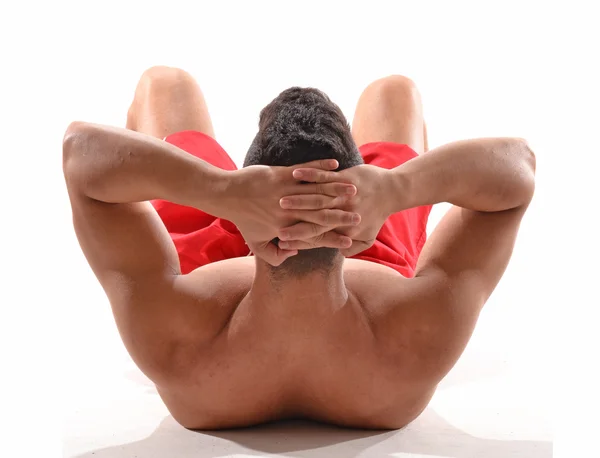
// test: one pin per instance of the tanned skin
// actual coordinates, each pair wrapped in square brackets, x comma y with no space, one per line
[360,346]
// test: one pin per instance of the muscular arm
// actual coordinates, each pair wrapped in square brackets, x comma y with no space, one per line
[487,180]
[490,182]
[486,175]
[115,165]
[110,173]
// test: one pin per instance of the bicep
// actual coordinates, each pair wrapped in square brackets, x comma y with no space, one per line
[126,239]
[163,317]
[471,250]
[461,263]
[133,257]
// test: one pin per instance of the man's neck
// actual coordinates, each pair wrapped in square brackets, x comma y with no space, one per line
[313,292]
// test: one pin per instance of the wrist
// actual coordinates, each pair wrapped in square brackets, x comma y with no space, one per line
[212,186]
[399,190]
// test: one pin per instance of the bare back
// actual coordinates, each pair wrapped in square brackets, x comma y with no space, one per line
[341,368]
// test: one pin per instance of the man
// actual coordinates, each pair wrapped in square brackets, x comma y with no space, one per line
[344,315]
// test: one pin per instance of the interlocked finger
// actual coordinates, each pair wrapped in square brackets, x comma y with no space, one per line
[311,202]
[329,218]
[270,252]
[324,164]
[328,189]
[302,231]
[315,175]
[326,240]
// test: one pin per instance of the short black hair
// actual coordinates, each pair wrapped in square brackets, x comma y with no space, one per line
[302,125]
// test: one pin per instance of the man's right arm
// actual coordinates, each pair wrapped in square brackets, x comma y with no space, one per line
[490,182]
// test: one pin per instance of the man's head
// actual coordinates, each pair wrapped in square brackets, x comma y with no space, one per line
[302,125]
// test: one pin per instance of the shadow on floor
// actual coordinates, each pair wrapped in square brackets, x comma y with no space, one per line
[430,435]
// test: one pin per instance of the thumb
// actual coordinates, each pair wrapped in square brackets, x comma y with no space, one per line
[272,254]
[356,248]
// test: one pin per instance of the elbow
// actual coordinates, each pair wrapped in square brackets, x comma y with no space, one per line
[71,145]
[71,137]
[527,154]
[527,167]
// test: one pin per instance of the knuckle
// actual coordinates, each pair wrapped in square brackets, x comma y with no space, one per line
[338,202]
[307,175]
[315,229]
[339,238]
[278,176]
[331,240]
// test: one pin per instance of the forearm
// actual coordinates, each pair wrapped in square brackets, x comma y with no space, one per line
[490,174]
[116,165]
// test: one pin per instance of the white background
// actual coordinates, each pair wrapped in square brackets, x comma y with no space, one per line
[484,69]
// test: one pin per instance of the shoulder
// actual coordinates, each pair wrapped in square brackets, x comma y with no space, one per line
[409,316]
[175,324]
[218,287]
[378,287]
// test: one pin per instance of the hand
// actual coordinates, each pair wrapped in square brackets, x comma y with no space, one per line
[251,201]
[372,202]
